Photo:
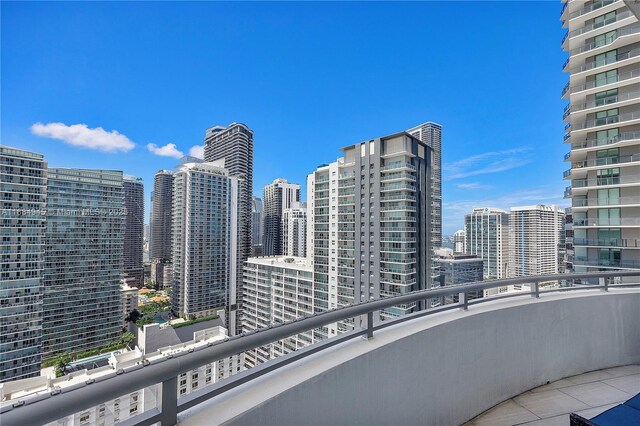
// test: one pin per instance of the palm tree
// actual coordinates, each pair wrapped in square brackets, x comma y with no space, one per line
[62,362]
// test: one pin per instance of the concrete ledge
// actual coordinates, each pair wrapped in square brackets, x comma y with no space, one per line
[442,369]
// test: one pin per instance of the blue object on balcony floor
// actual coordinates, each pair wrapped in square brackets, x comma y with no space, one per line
[623,414]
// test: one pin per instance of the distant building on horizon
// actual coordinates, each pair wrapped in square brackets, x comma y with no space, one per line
[278,196]
[23,184]
[160,228]
[487,236]
[455,269]
[431,134]
[257,226]
[535,240]
[294,230]
[460,242]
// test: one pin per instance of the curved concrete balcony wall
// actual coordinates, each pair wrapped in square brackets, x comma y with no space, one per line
[442,369]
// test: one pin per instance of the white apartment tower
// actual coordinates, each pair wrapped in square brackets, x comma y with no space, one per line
[460,242]
[278,196]
[368,222]
[294,230]
[487,237]
[603,132]
[535,240]
[205,238]
[280,289]
[431,134]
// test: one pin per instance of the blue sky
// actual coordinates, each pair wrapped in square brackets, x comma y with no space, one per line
[308,78]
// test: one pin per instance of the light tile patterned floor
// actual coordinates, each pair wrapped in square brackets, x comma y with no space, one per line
[587,394]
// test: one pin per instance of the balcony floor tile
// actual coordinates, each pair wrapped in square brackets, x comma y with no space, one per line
[550,403]
[505,414]
[592,376]
[596,394]
[586,394]
[628,384]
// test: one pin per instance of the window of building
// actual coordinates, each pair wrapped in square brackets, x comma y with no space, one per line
[603,20]
[606,137]
[604,39]
[607,197]
[607,117]
[607,77]
[606,97]
[609,217]
[607,156]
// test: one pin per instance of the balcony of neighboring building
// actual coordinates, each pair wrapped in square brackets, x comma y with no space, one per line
[612,39]
[626,198]
[608,118]
[593,143]
[622,177]
[615,70]
[626,243]
[577,11]
[615,98]
[600,24]
[621,158]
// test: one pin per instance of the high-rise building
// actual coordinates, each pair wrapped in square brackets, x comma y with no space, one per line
[368,222]
[535,240]
[205,238]
[257,226]
[23,185]
[294,230]
[278,196]
[603,132]
[160,228]
[85,230]
[134,231]
[431,134]
[487,232]
[234,143]
[455,269]
[277,290]
[460,242]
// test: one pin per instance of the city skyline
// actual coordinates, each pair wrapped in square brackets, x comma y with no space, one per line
[481,145]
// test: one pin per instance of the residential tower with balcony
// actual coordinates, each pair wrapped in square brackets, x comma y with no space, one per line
[602,119]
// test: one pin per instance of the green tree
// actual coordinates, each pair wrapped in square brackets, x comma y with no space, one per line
[62,361]
[127,339]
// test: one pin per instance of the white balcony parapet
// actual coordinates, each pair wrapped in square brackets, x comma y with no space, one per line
[635,115]
[532,322]
[594,83]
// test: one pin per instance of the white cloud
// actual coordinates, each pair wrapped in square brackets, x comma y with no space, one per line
[488,162]
[169,150]
[472,185]
[197,151]
[81,135]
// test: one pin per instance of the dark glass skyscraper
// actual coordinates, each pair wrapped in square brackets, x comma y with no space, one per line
[23,185]
[134,230]
[160,228]
[83,260]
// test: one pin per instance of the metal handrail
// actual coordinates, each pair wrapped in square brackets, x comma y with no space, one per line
[43,409]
